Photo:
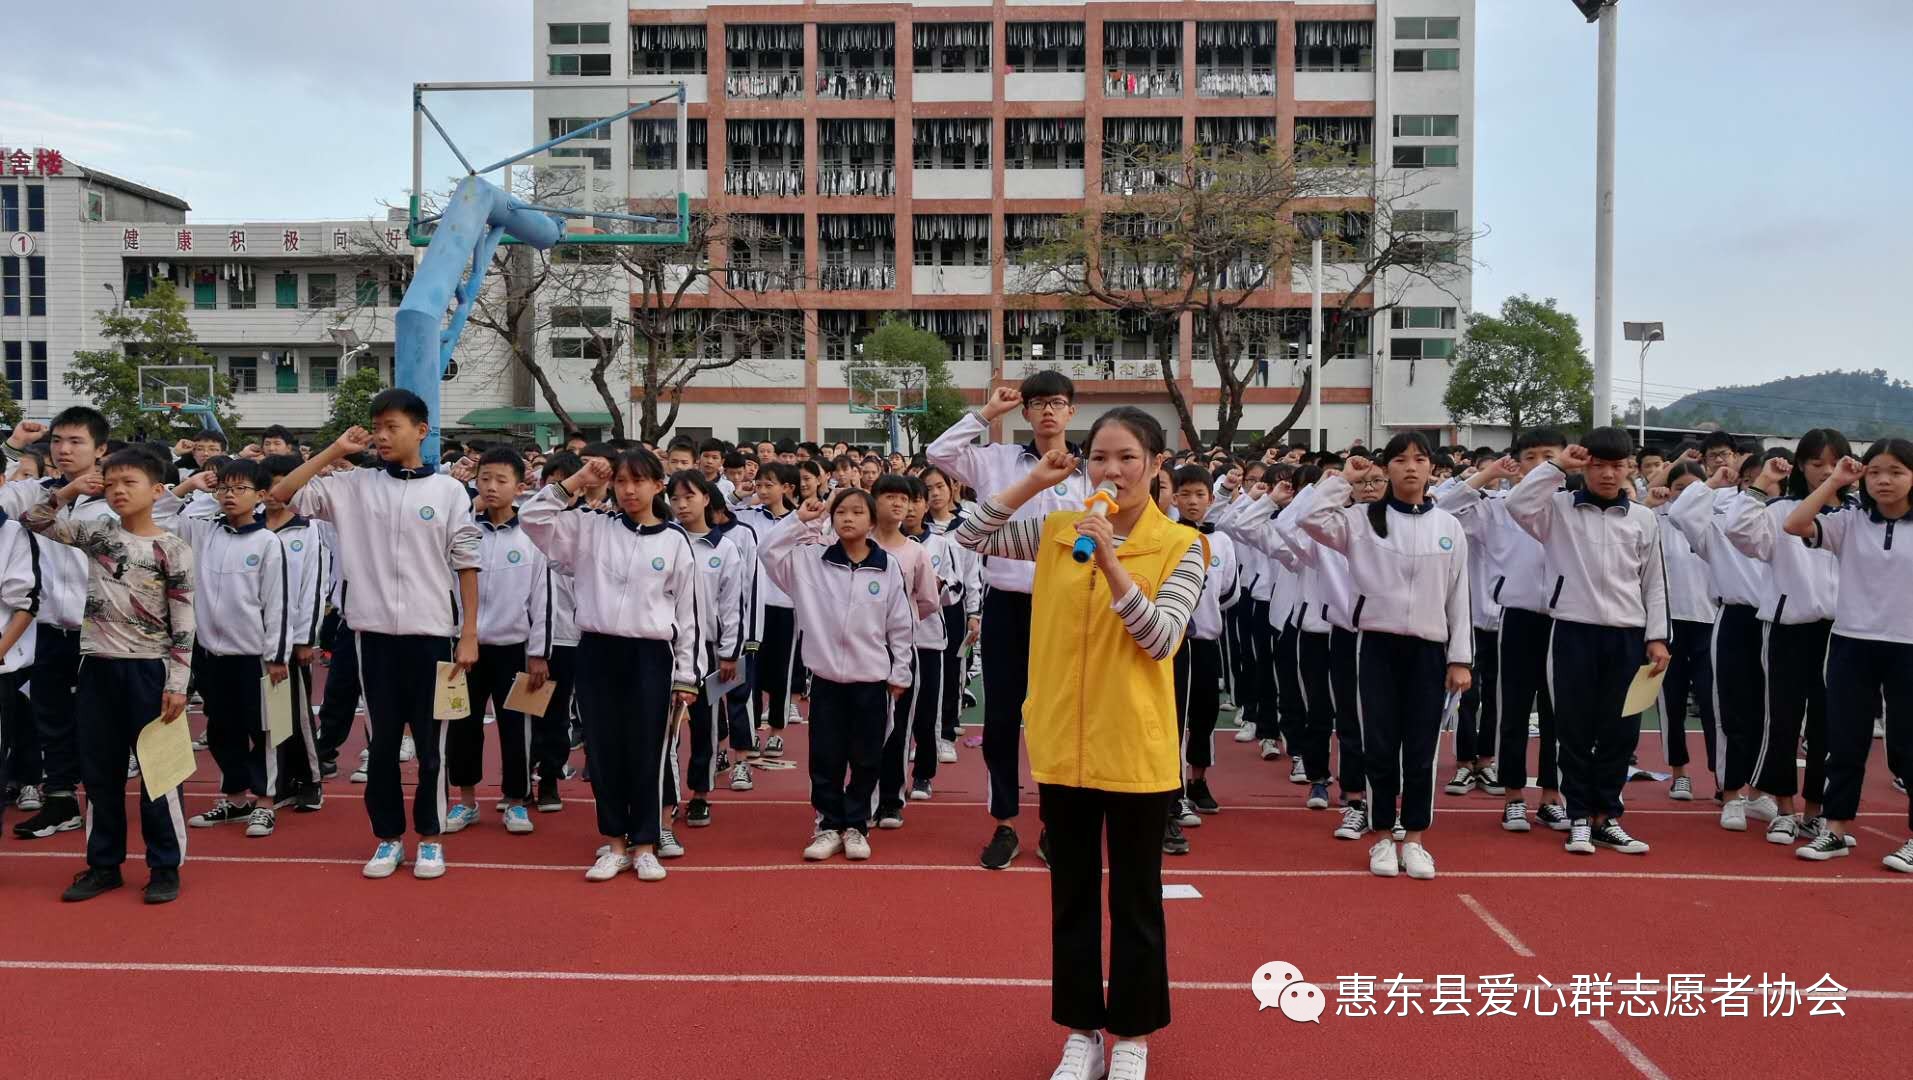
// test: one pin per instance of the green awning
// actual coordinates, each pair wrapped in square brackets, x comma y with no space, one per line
[508,416]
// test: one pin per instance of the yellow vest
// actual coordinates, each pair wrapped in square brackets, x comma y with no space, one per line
[1099,712]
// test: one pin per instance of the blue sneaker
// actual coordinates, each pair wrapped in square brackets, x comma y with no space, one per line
[386,859]
[1318,796]
[517,819]
[460,817]
[431,860]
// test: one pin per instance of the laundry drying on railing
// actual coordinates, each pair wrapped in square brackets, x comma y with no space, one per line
[848,277]
[765,37]
[951,35]
[866,181]
[668,37]
[1043,35]
[861,85]
[1142,35]
[751,181]
[1142,83]
[759,279]
[855,227]
[1235,84]
[967,227]
[1235,35]
[968,133]
[1232,132]
[1352,135]
[856,37]
[764,84]
[952,324]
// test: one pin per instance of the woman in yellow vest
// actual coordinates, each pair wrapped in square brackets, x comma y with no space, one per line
[1100,721]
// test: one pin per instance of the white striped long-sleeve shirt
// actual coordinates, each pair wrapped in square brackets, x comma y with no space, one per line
[1155,625]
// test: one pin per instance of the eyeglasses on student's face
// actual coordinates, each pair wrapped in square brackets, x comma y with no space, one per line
[234,489]
[1048,404]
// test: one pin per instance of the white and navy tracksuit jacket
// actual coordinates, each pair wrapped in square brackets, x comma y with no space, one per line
[19,591]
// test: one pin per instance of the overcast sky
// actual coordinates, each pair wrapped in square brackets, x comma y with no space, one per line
[1756,137]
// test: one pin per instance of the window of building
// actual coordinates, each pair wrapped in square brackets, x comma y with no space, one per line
[1045,46]
[205,289]
[569,348]
[573,318]
[1427,59]
[1427,157]
[9,285]
[1421,348]
[581,64]
[285,372]
[322,374]
[322,290]
[366,289]
[1437,29]
[1405,221]
[242,293]
[1045,143]
[285,289]
[654,145]
[564,125]
[1334,46]
[668,50]
[768,434]
[36,285]
[244,373]
[395,282]
[1422,318]
[95,206]
[948,48]
[952,144]
[580,33]
[15,373]
[9,208]
[36,208]
[1427,126]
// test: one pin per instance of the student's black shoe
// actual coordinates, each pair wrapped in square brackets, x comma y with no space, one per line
[309,798]
[163,886]
[91,882]
[1173,842]
[1042,846]
[1200,795]
[60,814]
[549,801]
[697,814]
[577,738]
[1002,849]
[329,770]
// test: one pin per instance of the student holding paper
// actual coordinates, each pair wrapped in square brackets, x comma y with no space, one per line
[306,581]
[1608,596]
[136,646]
[511,600]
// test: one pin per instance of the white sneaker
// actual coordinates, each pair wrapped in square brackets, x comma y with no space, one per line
[358,774]
[1901,860]
[407,751]
[1082,1058]
[1762,808]
[1416,860]
[648,867]
[1785,829]
[132,766]
[517,820]
[431,861]
[791,715]
[946,752]
[1128,1061]
[1382,860]
[741,777]
[608,866]
[261,822]
[826,843]
[1270,749]
[669,847]
[30,798]
[458,817]
[856,845]
[1580,837]
[1354,823]
[388,858]
[1299,772]
[1733,814]
[1682,790]
[1514,816]
[1244,733]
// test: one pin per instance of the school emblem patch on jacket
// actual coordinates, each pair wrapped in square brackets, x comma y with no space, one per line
[425,513]
[657,563]
[875,588]
[514,556]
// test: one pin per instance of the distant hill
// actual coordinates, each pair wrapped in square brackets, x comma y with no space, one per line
[1862,404]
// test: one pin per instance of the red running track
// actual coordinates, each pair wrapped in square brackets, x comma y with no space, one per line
[281,960]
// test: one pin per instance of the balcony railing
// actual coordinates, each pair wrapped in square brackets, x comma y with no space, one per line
[1142,82]
[1136,180]
[862,181]
[857,84]
[760,182]
[1235,84]
[760,279]
[861,276]
[764,84]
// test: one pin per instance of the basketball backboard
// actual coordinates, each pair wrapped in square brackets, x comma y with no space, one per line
[887,388]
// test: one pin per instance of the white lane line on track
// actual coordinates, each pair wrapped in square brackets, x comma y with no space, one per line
[1634,1055]
[1502,932]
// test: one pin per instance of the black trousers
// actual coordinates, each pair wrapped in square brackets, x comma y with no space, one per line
[1796,658]
[1690,670]
[235,702]
[1589,670]
[490,680]
[20,741]
[1400,687]
[896,739]
[926,714]
[956,627]
[298,757]
[1318,703]
[1291,707]
[401,675]
[1861,675]
[1006,680]
[848,722]
[1477,727]
[1079,822]
[1199,698]
[116,699]
[1263,701]
[551,733]
[1235,624]
[1740,692]
[55,682]
[342,691]
[1342,664]
[625,700]
[780,666]
[1522,685]
[709,722]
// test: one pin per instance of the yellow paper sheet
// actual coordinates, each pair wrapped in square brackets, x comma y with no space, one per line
[1642,693]
[278,708]
[165,756]
[526,700]
[450,701]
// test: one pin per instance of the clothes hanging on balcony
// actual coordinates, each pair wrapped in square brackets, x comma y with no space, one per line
[760,279]
[1351,134]
[880,134]
[865,181]
[967,133]
[855,227]
[1335,35]
[768,182]
[1032,227]
[1241,132]
[1235,35]
[1143,132]
[1145,82]
[1028,323]
[646,133]
[856,37]
[952,324]
[748,134]
[778,226]
[657,38]
[854,277]
[964,227]
[1235,84]
[754,84]
[951,35]
[857,85]
[765,37]
[1043,131]
[1044,35]
[1142,35]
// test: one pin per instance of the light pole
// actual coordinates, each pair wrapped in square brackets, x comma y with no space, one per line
[1312,226]
[1647,333]
[1603,12]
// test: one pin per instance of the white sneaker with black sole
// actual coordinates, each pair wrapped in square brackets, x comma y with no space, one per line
[1610,835]
[1681,790]
[1580,837]
[1514,816]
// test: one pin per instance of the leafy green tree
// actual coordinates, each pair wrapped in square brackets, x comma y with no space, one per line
[10,413]
[147,331]
[351,403]
[1524,369]
[899,345]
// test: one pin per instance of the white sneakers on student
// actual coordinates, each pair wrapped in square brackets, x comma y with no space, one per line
[517,820]
[648,867]
[386,860]
[261,822]
[1762,808]
[856,845]
[1901,860]
[1299,772]
[431,861]
[1082,1058]
[1244,733]
[365,761]
[1733,814]
[946,752]
[1128,1060]
[741,776]
[1416,860]
[407,751]
[1382,860]
[609,865]
[1784,829]
[826,843]
[1269,749]
[460,816]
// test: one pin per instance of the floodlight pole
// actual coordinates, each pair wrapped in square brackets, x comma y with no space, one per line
[1604,218]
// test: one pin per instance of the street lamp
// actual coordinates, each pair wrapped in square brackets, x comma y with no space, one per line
[1603,13]
[350,347]
[1312,226]
[1647,333]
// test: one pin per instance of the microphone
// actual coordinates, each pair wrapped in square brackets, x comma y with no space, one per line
[1099,504]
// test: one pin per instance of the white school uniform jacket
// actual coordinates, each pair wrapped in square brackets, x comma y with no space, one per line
[1414,581]
[1326,589]
[403,536]
[1878,568]
[306,573]
[1248,521]
[1487,611]
[19,588]
[633,581]
[762,522]
[722,572]
[1700,513]
[1219,590]
[1513,558]
[1802,583]
[335,566]
[240,588]
[560,628]
[940,550]
[511,587]
[991,468]
[1603,559]
[62,567]
[969,565]
[1690,596]
[743,534]
[856,618]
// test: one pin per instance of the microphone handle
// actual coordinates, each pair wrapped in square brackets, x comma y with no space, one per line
[1085,546]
